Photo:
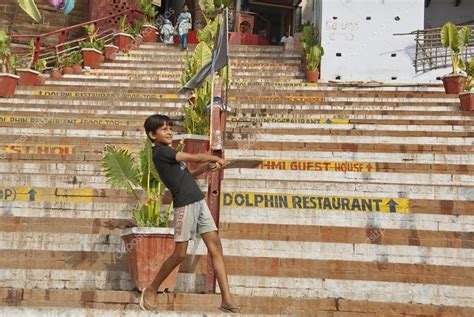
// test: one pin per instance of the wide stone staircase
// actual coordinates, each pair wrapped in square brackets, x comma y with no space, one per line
[363,205]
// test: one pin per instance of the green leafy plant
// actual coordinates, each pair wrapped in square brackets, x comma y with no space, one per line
[123,24]
[5,53]
[208,33]
[309,39]
[196,120]
[76,58]
[313,57]
[92,41]
[149,10]
[60,62]
[455,40]
[468,68]
[40,65]
[137,175]
[27,61]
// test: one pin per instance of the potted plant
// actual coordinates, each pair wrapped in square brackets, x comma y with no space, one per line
[92,48]
[149,31]
[313,59]
[307,42]
[455,40]
[467,98]
[27,73]
[152,241]
[8,79]
[67,66]
[123,40]
[39,67]
[76,62]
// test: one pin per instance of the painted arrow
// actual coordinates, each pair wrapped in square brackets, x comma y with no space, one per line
[393,206]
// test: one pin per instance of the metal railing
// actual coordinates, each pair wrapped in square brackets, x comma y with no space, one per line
[50,46]
[429,54]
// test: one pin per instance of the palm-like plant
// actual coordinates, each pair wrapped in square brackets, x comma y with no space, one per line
[313,57]
[137,175]
[455,40]
[148,10]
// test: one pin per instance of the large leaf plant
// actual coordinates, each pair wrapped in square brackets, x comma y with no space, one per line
[136,174]
[455,40]
[196,118]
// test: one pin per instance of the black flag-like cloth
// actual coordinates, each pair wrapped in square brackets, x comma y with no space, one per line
[220,59]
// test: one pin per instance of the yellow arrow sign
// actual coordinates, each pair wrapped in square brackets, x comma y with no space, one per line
[289,120]
[318,166]
[78,195]
[103,94]
[316,202]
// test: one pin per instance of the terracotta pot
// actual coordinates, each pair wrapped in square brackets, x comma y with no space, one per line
[8,84]
[147,249]
[123,41]
[55,73]
[68,70]
[27,77]
[149,34]
[312,76]
[467,101]
[91,57]
[193,144]
[40,80]
[110,51]
[454,84]
[77,69]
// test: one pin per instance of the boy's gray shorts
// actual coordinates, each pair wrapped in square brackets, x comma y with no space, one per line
[191,220]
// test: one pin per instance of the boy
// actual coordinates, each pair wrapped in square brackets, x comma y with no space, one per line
[191,214]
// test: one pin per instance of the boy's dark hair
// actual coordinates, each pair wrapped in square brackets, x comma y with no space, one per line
[154,122]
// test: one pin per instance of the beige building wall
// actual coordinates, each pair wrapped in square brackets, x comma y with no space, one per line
[308,10]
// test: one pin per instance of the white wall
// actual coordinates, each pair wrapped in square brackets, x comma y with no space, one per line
[442,11]
[366,46]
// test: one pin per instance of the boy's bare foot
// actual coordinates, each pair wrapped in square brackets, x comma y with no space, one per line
[226,308]
[148,299]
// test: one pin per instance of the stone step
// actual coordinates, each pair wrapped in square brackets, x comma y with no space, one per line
[364,177]
[242,129]
[279,84]
[313,164]
[348,187]
[431,113]
[239,60]
[138,68]
[245,145]
[327,251]
[116,84]
[125,304]
[385,138]
[233,48]
[344,125]
[350,95]
[258,229]
[160,75]
[244,115]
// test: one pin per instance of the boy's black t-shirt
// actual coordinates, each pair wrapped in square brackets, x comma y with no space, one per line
[176,176]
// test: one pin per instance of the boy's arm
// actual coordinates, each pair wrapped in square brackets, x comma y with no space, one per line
[215,162]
